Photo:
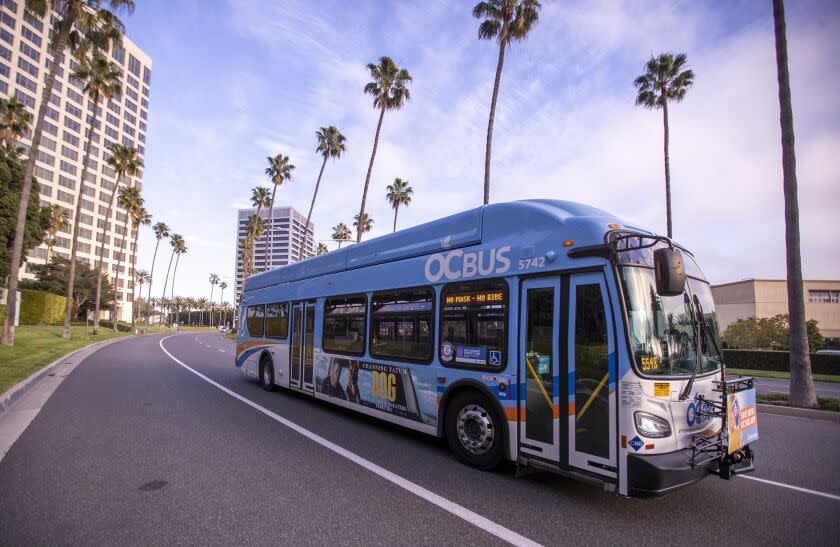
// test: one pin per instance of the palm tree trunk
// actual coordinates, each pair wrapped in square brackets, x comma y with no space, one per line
[26,189]
[487,150]
[71,268]
[396,210]
[801,380]
[152,276]
[270,226]
[667,167]
[311,206]
[117,281]
[134,272]
[102,257]
[134,310]
[189,316]
[360,227]
[166,281]
[174,273]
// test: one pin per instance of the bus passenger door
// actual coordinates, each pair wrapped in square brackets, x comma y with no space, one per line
[539,434]
[591,363]
[308,346]
[295,346]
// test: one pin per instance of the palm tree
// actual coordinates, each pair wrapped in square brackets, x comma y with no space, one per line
[179,248]
[260,196]
[398,194]
[802,391]
[139,217]
[131,201]
[58,220]
[124,161]
[161,231]
[331,144]
[102,80]
[201,305]
[506,21]
[664,80]
[154,301]
[322,249]
[142,277]
[14,122]
[341,233]
[177,303]
[365,226]
[74,13]
[165,306]
[279,170]
[214,280]
[189,303]
[225,310]
[389,88]
[222,286]
[175,242]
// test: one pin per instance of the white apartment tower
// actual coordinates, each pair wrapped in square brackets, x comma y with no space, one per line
[283,245]
[24,62]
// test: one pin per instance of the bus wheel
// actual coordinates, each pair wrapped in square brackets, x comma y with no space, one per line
[474,430]
[266,374]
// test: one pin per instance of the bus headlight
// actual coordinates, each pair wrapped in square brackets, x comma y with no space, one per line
[651,426]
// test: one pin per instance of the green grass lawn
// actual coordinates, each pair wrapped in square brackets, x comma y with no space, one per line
[37,346]
[782,399]
[781,375]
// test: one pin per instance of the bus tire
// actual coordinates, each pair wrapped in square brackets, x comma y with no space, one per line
[266,373]
[474,430]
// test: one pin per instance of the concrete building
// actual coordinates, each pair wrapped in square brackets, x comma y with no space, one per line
[768,297]
[283,246]
[24,62]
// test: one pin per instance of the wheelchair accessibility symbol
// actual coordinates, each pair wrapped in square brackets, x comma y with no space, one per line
[495,357]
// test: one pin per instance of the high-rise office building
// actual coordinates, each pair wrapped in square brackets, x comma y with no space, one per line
[283,245]
[24,63]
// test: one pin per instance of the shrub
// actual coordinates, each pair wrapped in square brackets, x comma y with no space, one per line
[41,308]
[2,310]
[778,361]
[121,327]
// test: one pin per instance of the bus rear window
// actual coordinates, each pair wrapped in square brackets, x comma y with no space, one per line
[401,324]
[344,324]
[277,320]
[254,320]
[473,324]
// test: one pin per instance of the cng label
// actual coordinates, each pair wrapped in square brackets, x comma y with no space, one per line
[636,443]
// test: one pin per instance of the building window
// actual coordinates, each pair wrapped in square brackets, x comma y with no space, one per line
[69,153]
[254,320]
[147,79]
[6,53]
[25,99]
[28,50]
[32,20]
[43,174]
[119,54]
[401,324]
[73,124]
[134,65]
[28,67]
[73,110]
[277,320]
[30,35]
[345,325]
[71,138]
[66,182]
[473,324]
[6,36]
[65,197]
[824,296]
[75,97]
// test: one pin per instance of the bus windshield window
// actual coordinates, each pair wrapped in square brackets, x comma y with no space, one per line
[661,328]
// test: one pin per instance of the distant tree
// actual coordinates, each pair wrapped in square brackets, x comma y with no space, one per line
[279,170]
[768,333]
[52,277]
[222,286]
[139,217]
[131,201]
[175,242]
[179,247]
[341,233]
[398,194]
[37,217]
[59,219]
[665,79]
[214,280]
[14,123]
[331,144]
[389,87]
[201,305]
[365,225]
[141,277]
[322,249]
[161,231]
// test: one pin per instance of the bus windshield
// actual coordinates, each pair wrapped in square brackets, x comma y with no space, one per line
[661,329]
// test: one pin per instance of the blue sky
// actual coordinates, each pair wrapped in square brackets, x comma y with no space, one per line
[236,81]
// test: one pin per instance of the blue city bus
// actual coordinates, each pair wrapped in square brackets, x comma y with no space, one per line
[544,332]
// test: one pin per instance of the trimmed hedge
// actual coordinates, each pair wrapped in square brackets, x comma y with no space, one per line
[751,359]
[2,312]
[41,308]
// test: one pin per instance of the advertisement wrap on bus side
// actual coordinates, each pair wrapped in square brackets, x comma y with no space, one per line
[741,419]
[388,388]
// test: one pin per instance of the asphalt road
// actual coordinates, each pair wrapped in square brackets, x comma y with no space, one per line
[132,448]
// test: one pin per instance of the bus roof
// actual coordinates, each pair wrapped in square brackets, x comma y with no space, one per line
[499,221]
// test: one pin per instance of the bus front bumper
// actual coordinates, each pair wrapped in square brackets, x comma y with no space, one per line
[653,475]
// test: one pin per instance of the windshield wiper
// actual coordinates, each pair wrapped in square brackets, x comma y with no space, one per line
[696,310]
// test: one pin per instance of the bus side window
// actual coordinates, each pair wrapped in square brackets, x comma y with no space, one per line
[401,324]
[473,324]
[254,320]
[345,324]
[277,320]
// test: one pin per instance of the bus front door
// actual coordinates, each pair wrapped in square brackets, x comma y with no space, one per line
[302,346]
[591,376]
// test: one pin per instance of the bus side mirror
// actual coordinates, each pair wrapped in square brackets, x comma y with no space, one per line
[670,272]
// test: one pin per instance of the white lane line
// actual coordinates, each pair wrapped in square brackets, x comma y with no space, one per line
[459,511]
[791,487]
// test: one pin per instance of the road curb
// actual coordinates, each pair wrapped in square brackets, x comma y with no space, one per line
[779,410]
[21,388]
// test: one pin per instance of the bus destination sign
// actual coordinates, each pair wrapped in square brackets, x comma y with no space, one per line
[484,297]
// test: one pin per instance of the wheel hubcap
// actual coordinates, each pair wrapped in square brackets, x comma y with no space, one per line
[475,429]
